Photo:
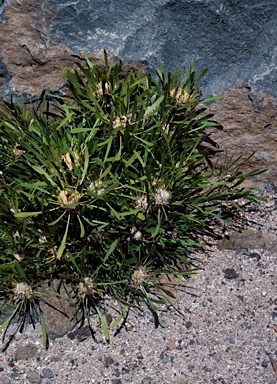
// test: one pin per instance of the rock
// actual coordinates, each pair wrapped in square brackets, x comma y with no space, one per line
[59,312]
[244,240]
[81,333]
[117,381]
[147,380]
[248,125]
[108,360]
[264,364]
[171,344]
[252,255]
[169,283]
[34,377]
[188,324]
[234,39]
[48,373]
[230,274]
[245,277]
[31,59]
[25,353]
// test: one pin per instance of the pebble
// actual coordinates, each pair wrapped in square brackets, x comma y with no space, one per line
[34,377]
[147,380]
[265,364]
[230,273]
[274,315]
[245,277]
[48,373]
[25,353]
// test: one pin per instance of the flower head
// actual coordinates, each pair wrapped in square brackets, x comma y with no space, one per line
[22,291]
[67,197]
[181,95]
[137,235]
[120,121]
[99,89]
[86,287]
[162,196]
[95,187]
[141,201]
[139,276]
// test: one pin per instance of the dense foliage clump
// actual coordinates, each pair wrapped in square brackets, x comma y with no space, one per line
[109,192]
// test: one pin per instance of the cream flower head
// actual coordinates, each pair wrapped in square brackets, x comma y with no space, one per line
[22,291]
[182,96]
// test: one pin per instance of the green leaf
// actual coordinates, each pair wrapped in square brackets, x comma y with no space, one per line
[62,246]
[119,318]
[143,141]
[131,160]
[141,216]
[44,173]
[103,323]
[150,110]
[110,251]
[27,214]
[85,165]
[65,121]
[9,319]
[80,130]
[58,219]
[43,328]
[82,233]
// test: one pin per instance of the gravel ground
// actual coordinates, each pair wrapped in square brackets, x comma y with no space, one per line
[228,335]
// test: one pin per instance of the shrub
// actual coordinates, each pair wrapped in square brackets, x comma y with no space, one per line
[109,192]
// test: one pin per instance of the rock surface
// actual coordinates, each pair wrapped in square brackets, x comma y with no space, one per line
[235,39]
[249,122]
[30,59]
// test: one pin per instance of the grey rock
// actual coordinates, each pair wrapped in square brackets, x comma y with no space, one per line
[245,277]
[252,255]
[147,380]
[235,39]
[230,274]
[246,239]
[188,324]
[48,373]
[265,364]
[108,360]
[34,377]
[274,315]
[6,312]
[15,374]
[25,353]
[59,312]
